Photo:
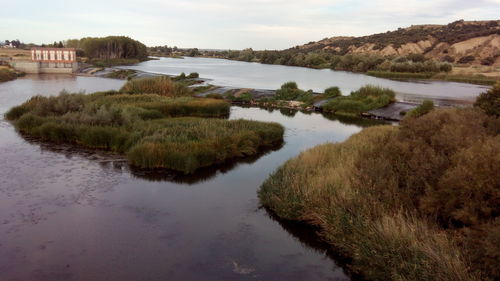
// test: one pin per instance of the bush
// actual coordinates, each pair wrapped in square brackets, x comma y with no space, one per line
[488,61]
[193,75]
[332,92]
[414,202]
[466,59]
[365,99]
[289,91]
[160,85]
[489,101]
[426,107]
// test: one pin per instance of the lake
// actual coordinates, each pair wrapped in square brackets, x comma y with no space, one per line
[76,214]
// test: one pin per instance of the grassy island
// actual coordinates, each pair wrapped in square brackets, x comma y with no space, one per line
[414,202]
[155,128]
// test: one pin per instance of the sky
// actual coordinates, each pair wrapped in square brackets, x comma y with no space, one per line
[227,24]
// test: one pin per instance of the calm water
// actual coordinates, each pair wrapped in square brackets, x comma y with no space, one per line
[264,76]
[69,214]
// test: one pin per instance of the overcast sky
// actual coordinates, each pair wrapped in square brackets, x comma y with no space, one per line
[227,24]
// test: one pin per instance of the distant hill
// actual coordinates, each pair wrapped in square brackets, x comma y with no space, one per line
[474,42]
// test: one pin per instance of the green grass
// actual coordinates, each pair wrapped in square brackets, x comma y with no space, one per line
[415,202]
[365,99]
[154,131]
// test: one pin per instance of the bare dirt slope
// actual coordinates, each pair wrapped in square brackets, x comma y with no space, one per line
[465,42]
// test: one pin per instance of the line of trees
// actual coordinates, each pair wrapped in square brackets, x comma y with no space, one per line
[414,63]
[111,47]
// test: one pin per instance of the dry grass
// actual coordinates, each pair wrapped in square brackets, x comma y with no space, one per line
[365,194]
[16,54]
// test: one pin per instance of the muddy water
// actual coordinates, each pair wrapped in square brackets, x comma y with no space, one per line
[72,214]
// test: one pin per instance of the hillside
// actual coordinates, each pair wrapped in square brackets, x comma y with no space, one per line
[474,42]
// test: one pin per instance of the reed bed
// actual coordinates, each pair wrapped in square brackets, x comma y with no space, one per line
[415,202]
[161,85]
[366,98]
[154,131]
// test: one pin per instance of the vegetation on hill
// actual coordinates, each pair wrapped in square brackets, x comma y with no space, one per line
[158,128]
[420,201]
[416,52]
[451,33]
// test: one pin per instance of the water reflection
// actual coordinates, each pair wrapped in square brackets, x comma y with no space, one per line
[202,174]
[309,236]
[110,160]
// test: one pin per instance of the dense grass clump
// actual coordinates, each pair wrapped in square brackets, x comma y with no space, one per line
[7,75]
[144,128]
[160,85]
[332,92]
[290,92]
[489,101]
[416,202]
[426,107]
[186,144]
[365,99]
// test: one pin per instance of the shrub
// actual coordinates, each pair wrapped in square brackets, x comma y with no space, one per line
[160,85]
[489,101]
[332,92]
[289,91]
[466,59]
[448,58]
[193,75]
[488,61]
[424,108]
[414,202]
[365,99]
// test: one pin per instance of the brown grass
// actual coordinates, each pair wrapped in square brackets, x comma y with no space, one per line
[375,197]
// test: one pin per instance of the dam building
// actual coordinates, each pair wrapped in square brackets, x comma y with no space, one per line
[49,60]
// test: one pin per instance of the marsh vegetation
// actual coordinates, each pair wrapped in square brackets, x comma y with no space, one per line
[154,121]
[414,202]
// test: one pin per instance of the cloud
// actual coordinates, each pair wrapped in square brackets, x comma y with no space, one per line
[261,24]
